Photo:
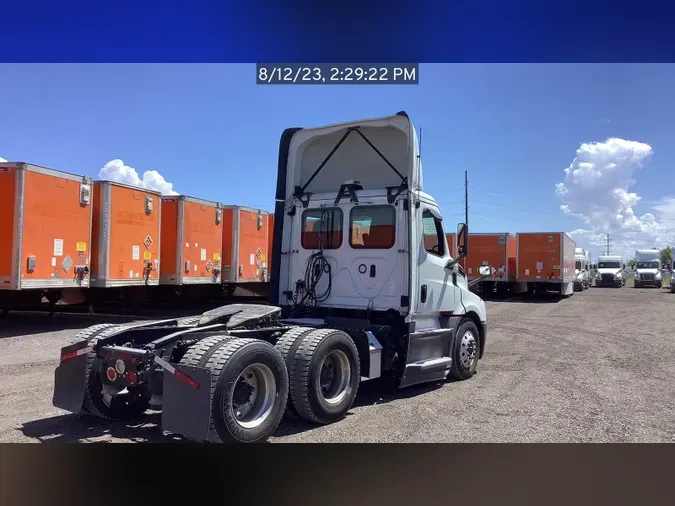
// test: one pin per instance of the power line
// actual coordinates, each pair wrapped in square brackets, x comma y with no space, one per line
[466,197]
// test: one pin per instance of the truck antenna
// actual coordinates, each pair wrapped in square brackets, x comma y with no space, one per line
[419,154]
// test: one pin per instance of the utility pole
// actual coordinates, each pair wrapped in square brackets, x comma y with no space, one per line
[466,197]
[609,242]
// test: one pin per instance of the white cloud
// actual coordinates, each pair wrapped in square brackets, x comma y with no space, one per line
[596,190]
[116,170]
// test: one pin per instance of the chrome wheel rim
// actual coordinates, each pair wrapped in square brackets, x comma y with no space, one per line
[334,377]
[468,350]
[255,390]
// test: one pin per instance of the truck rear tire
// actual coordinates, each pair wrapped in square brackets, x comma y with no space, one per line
[325,376]
[465,351]
[249,390]
[198,354]
[287,346]
[123,407]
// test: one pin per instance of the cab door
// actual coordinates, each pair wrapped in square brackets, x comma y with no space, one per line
[436,291]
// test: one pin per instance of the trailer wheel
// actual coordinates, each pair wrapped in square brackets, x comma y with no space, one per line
[325,376]
[249,390]
[130,405]
[287,346]
[465,351]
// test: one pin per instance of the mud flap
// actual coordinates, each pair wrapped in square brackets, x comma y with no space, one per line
[70,377]
[186,409]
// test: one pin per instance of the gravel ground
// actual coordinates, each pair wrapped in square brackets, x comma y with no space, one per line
[595,367]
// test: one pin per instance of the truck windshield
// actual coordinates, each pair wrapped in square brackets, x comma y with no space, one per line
[322,228]
[653,264]
[609,265]
[577,265]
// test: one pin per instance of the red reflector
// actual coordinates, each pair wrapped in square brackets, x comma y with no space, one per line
[112,375]
[186,379]
[132,377]
[68,356]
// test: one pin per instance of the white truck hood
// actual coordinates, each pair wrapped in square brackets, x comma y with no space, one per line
[612,270]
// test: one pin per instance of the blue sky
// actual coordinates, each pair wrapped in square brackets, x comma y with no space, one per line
[213,133]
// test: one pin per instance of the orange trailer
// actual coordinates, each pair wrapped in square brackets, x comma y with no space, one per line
[495,250]
[192,234]
[246,242]
[45,228]
[126,238]
[546,260]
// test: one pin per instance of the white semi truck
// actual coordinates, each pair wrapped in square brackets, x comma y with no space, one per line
[648,268]
[362,285]
[582,269]
[610,271]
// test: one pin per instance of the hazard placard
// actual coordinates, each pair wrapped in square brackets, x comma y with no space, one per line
[148,242]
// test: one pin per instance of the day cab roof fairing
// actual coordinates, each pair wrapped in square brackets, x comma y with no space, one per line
[376,152]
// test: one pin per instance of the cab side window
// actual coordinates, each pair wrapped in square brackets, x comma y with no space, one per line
[432,230]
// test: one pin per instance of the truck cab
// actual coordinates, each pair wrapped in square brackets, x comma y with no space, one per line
[648,268]
[582,274]
[610,271]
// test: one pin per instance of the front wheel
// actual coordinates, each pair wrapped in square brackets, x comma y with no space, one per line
[465,351]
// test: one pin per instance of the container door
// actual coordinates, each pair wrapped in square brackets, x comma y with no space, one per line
[252,245]
[539,256]
[56,235]
[7,219]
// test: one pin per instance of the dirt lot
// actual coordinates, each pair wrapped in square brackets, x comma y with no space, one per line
[596,367]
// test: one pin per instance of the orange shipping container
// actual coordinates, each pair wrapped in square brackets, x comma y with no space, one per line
[545,256]
[126,239]
[495,250]
[45,227]
[246,240]
[192,234]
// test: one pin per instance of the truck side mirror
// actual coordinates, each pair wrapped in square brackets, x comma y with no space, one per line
[462,245]
[624,266]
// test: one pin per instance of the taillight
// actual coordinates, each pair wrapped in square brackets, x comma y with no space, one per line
[132,377]
[111,374]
